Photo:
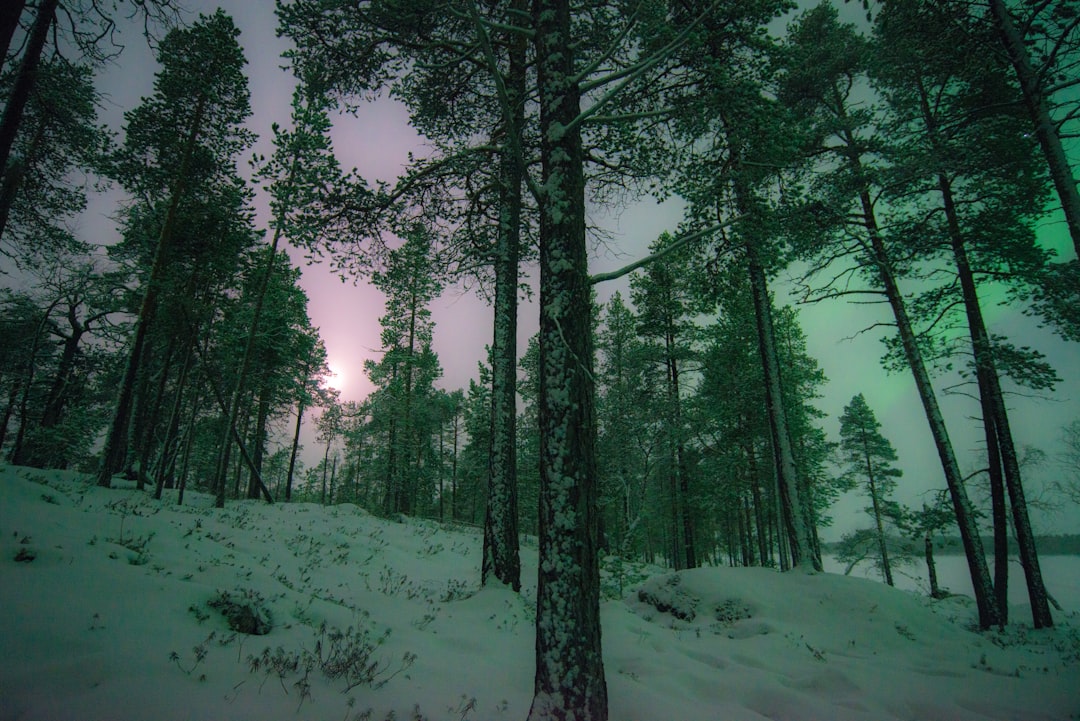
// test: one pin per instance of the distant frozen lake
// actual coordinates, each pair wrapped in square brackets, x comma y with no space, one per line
[1061,574]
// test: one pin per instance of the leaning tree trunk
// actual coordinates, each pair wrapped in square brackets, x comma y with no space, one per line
[9,21]
[18,451]
[999,513]
[991,384]
[784,458]
[112,458]
[883,548]
[989,614]
[170,446]
[569,682]
[1031,85]
[24,82]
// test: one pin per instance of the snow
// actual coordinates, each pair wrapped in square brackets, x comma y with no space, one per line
[90,625]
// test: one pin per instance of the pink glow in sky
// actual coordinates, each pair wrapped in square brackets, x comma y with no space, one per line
[377,141]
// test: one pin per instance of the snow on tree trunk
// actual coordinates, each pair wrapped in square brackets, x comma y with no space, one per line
[569,681]
[500,556]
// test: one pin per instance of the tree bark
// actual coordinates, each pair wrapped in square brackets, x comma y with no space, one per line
[501,554]
[295,448]
[989,614]
[9,21]
[784,459]
[169,448]
[931,567]
[24,83]
[1031,85]
[569,682]
[999,423]
[17,456]
[883,549]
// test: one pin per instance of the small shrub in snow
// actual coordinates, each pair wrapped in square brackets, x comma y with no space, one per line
[347,656]
[617,576]
[198,653]
[730,611]
[245,611]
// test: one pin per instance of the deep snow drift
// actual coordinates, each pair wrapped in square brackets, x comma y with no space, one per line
[114,607]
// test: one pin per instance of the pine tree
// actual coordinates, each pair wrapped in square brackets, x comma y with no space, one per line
[408,367]
[990,191]
[182,141]
[663,296]
[869,456]
[821,60]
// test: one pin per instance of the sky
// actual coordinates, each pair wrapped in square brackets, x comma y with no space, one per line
[377,141]
[750,643]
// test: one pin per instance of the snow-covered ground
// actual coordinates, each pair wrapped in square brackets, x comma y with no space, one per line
[111,607]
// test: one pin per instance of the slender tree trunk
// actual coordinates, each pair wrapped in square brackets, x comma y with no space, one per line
[245,457]
[18,452]
[682,505]
[883,548]
[999,511]
[257,451]
[24,82]
[1031,85]
[325,464]
[784,458]
[990,382]
[169,447]
[989,614]
[500,553]
[16,172]
[931,567]
[115,451]
[453,471]
[569,682]
[57,398]
[295,446]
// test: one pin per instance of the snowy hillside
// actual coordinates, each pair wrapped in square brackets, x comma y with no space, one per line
[114,607]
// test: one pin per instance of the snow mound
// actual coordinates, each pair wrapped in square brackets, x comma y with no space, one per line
[117,606]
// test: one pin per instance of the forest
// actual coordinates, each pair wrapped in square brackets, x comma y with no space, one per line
[909,160]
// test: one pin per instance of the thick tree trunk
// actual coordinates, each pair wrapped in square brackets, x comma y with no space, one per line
[24,82]
[569,682]
[10,12]
[501,554]
[1031,85]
